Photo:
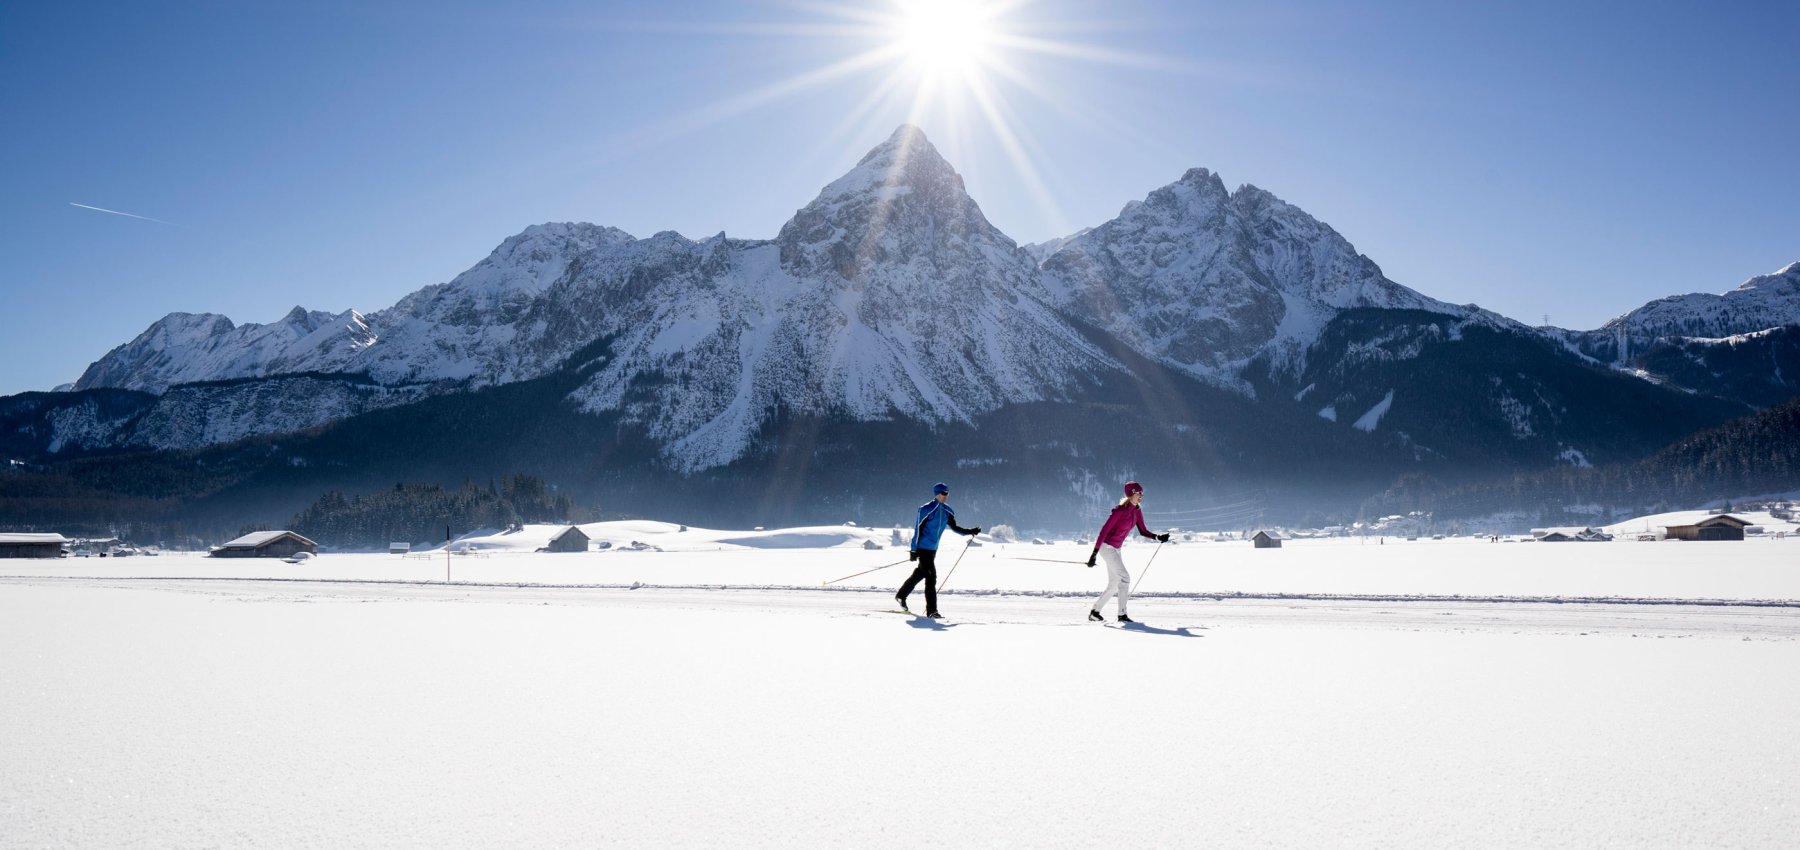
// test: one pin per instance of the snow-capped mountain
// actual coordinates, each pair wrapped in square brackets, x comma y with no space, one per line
[462,331]
[183,348]
[890,295]
[1742,345]
[1208,280]
[890,298]
[1760,303]
[1041,251]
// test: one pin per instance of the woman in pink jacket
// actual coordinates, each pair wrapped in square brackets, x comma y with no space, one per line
[1106,547]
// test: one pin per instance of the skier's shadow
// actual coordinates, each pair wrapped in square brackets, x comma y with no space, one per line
[1140,628]
[929,624]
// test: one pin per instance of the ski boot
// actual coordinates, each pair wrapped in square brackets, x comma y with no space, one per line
[1125,619]
[1095,616]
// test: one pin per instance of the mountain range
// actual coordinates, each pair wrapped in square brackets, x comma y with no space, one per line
[889,334]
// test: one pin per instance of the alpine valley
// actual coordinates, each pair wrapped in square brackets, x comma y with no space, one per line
[1208,342]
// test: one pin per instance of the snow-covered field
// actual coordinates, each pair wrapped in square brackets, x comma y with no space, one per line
[1425,694]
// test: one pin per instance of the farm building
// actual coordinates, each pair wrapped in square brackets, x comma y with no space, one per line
[24,545]
[1570,534]
[265,544]
[570,540]
[1266,540]
[1721,527]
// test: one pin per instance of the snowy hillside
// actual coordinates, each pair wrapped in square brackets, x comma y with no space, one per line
[890,297]
[1207,280]
[1760,303]
[187,347]
[694,699]
[1743,345]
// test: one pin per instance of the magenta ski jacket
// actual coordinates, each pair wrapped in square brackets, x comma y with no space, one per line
[1118,526]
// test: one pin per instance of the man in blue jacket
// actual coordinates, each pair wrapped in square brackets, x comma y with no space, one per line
[934,517]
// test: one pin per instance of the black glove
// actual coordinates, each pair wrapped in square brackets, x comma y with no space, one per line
[1163,537]
[913,555]
[974,531]
[1091,557]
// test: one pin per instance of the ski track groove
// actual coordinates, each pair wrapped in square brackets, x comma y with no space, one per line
[1177,614]
[1215,596]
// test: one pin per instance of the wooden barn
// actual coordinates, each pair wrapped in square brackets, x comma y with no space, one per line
[1570,534]
[266,544]
[1266,540]
[1721,527]
[26,545]
[570,540]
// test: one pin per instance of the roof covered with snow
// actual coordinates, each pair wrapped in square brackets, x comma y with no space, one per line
[259,538]
[26,537]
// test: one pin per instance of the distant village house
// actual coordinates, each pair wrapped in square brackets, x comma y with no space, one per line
[1265,540]
[570,540]
[1570,534]
[266,544]
[1721,527]
[25,545]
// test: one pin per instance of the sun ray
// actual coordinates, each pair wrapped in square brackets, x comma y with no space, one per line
[1093,117]
[876,100]
[961,68]
[1090,53]
[721,110]
[1021,161]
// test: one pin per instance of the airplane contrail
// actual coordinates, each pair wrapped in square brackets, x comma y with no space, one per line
[126,214]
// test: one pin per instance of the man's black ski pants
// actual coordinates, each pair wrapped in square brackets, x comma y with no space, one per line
[926,572]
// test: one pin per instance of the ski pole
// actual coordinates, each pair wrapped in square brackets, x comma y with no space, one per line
[1148,564]
[865,572]
[965,551]
[1046,560]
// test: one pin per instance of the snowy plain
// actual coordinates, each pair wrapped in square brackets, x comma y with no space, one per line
[1397,694]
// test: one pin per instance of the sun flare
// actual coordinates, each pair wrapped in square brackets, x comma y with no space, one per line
[964,68]
[945,39]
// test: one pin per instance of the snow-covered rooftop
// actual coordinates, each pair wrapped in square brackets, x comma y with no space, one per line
[257,538]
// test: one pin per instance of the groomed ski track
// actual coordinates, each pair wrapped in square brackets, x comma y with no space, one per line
[1188,613]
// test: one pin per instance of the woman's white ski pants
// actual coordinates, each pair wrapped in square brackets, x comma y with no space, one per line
[1118,581]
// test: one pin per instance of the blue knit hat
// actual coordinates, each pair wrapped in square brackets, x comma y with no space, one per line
[940,487]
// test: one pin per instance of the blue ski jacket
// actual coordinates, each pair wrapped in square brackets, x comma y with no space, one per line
[934,517]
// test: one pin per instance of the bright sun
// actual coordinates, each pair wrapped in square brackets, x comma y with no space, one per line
[945,39]
[958,66]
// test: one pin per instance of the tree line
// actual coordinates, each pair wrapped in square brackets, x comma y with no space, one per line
[1753,456]
[420,513]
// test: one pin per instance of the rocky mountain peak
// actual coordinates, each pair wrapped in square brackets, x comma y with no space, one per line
[903,202]
[1787,280]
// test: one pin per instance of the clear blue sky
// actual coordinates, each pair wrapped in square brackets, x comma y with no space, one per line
[1570,159]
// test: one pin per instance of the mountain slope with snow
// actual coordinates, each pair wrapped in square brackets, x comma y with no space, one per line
[1742,345]
[890,298]
[890,295]
[1208,280]
[1758,304]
